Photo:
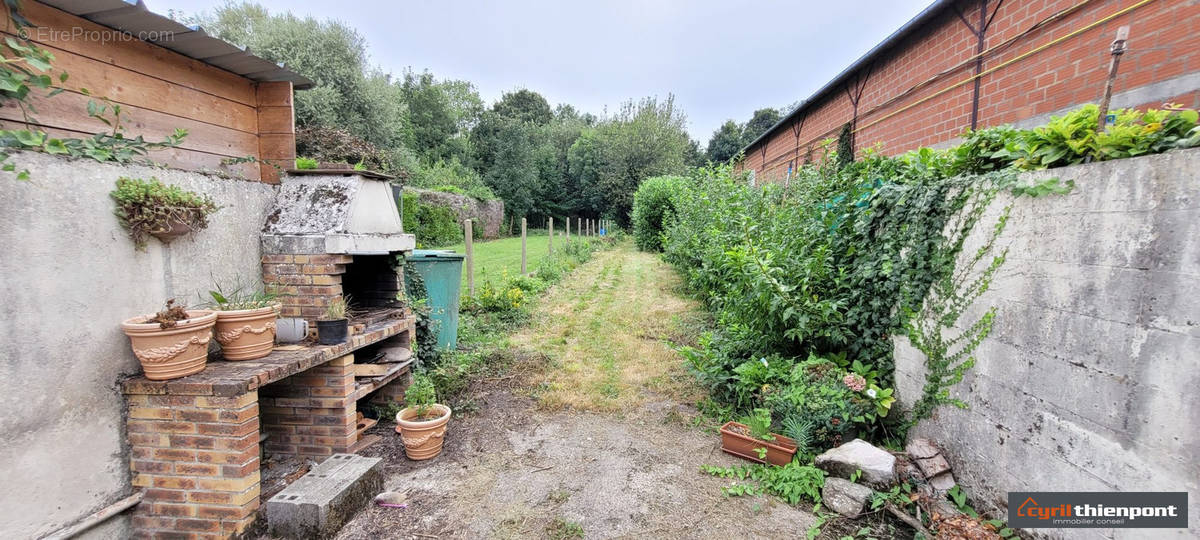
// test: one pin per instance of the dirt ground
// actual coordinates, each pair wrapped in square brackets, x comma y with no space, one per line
[511,471]
[548,455]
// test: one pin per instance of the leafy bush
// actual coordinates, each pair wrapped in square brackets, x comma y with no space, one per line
[146,207]
[433,225]
[652,207]
[306,163]
[451,177]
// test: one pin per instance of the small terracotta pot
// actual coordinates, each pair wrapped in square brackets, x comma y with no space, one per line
[422,439]
[246,334]
[174,352]
[779,451]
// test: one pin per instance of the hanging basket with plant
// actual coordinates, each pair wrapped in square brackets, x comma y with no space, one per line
[149,207]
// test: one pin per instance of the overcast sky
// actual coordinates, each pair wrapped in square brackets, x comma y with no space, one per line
[721,59]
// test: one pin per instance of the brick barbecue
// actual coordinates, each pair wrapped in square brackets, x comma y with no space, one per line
[197,443]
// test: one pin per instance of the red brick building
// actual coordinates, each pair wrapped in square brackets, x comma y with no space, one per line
[978,63]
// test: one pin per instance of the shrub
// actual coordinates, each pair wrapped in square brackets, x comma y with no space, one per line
[451,177]
[652,207]
[433,225]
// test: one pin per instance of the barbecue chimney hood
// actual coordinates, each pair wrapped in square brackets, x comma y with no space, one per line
[325,212]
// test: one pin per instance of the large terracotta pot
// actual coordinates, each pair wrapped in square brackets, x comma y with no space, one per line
[422,439]
[736,440]
[246,334]
[174,352]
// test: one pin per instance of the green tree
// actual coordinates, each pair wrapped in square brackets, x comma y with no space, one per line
[725,142]
[525,106]
[762,120]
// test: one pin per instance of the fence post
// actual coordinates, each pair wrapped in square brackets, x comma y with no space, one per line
[551,227]
[470,234]
[568,230]
[523,271]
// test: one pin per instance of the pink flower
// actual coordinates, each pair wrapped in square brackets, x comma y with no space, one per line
[854,382]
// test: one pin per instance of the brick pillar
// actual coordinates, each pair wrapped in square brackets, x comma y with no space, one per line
[312,413]
[196,458]
[306,283]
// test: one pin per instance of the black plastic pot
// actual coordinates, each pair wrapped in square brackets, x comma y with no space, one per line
[332,332]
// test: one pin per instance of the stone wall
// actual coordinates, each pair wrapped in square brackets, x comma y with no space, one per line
[70,276]
[489,214]
[1088,381]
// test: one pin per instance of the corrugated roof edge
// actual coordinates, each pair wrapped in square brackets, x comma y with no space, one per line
[928,13]
[133,17]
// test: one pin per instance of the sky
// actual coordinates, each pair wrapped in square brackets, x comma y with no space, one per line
[720,59]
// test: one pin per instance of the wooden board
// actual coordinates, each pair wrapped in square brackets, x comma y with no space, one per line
[363,443]
[372,370]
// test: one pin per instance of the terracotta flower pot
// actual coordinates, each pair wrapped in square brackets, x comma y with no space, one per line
[175,228]
[422,438]
[736,440]
[246,334]
[173,352]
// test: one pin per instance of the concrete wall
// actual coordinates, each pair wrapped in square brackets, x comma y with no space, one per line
[489,214]
[1089,380]
[68,276]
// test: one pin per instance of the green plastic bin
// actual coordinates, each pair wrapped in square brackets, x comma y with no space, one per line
[442,272]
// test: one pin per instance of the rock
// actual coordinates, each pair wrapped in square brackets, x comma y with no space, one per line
[877,466]
[391,499]
[942,482]
[921,449]
[845,497]
[927,457]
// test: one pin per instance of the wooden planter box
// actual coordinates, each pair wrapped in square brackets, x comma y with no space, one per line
[735,439]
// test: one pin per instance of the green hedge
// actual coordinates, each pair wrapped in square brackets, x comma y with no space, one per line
[652,207]
[433,225]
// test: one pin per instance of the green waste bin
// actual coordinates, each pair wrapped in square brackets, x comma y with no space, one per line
[442,272]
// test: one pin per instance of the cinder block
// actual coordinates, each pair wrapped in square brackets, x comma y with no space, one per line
[318,503]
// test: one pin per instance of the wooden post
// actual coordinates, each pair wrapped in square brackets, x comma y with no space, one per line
[1116,49]
[523,270]
[470,233]
[551,227]
[568,229]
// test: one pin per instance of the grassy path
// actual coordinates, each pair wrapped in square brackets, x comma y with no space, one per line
[590,435]
[606,331]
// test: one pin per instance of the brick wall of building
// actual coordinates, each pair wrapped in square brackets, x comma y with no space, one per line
[1055,66]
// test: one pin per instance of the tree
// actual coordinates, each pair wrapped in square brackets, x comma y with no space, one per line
[525,106]
[725,142]
[646,138]
[430,115]
[762,120]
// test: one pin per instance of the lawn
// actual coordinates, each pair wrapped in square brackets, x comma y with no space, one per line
[494,257]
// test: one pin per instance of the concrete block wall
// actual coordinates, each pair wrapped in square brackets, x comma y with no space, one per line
[70,276]
[1088,380]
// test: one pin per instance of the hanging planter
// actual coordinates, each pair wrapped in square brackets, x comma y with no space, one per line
[150,208]
[172,343]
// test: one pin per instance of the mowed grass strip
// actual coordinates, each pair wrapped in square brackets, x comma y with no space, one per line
[495,257]
[605,329]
